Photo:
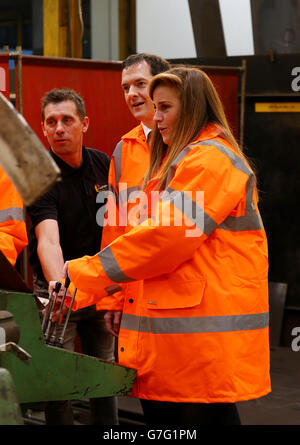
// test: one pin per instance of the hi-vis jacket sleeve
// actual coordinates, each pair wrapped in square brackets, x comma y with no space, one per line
[206,187]
[13,234]
[109,233]
[112,231]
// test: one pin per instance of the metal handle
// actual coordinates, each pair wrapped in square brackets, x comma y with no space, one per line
[54,335]
[62,336]
[46,329]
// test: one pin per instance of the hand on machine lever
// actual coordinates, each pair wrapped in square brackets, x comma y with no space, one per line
[55,310]
[112,318]
[62,294]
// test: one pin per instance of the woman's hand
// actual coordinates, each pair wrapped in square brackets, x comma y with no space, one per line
[112,322]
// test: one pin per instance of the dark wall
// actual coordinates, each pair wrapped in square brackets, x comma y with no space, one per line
[272,139]
[276,25]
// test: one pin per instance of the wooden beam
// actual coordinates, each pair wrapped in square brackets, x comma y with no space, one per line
[207,28]
[55,17]
[127,28]
[75,28]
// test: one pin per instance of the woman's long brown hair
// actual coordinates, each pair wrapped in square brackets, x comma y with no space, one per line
[200,105]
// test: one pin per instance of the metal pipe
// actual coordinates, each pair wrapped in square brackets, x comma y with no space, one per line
[56,291]
[62,336]
[47,311]
[242,103]
[53,336]
[19,95]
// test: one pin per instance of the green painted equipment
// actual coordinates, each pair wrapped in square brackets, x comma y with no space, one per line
[10,412]
[49,373]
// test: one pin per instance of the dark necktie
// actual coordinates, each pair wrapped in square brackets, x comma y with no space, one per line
[149,138]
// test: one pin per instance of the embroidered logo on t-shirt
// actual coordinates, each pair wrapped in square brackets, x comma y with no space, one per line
[100,188]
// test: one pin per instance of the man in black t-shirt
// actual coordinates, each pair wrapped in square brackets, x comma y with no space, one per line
[64,227]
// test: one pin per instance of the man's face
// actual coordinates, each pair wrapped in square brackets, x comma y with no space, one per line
[135,82]
[63,127]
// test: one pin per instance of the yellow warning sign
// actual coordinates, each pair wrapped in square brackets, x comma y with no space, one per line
[277,107]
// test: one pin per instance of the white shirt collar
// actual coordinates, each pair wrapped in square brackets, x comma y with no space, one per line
[146,130]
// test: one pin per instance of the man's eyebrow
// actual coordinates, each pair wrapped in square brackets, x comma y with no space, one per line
[135,80]
[53,116]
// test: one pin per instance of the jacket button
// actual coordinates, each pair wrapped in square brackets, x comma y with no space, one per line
[130,300]
[122,349]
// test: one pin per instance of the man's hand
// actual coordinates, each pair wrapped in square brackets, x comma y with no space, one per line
[65,269]
[112,321]
[51,288]
[52,284]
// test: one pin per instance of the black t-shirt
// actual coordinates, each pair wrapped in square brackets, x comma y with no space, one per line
[72,203]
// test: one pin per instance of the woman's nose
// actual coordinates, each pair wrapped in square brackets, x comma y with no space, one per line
[157,116]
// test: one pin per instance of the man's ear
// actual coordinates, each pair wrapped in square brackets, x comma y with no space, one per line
[43,128]
[85,124]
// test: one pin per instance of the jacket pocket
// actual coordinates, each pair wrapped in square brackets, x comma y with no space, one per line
[167,294]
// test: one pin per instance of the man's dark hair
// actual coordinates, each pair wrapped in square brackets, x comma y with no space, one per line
[57,96]
[157,64]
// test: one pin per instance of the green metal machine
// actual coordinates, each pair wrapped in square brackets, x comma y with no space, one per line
[31,371]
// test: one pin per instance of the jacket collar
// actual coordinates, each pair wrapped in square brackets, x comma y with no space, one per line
[136,133]
[210,131]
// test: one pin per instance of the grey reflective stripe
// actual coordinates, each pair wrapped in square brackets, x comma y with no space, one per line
[124,195]
[172,170]
[117,155]
[187,206]
[12,214]
[111,267]
[239,164]
[209,224]
[250,207]
[236,160]
[112,190]
[251,220]
[242,223]
[195,325]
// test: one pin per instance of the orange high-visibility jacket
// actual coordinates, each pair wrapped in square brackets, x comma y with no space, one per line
[199,333]
[129,164]
[13,235]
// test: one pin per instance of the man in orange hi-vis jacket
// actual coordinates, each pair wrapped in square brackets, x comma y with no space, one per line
[13,234]
[129,163]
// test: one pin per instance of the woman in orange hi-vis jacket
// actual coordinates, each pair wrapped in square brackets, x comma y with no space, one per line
[198,336]
[13,234]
